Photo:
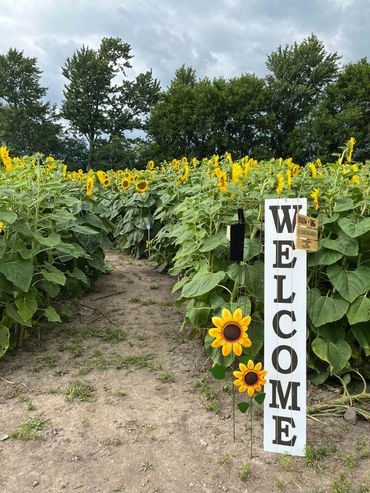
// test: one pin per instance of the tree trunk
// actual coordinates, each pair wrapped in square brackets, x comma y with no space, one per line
[90,153]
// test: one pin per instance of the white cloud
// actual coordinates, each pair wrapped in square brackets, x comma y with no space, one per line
[218,38]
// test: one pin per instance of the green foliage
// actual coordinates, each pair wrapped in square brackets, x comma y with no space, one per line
[94,103]
[27,123]
[52,246]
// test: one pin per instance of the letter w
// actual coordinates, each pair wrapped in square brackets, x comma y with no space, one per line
[287,220]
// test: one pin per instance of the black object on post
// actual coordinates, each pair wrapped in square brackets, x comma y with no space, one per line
[237,232]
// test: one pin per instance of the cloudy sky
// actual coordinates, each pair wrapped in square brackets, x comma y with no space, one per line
[216,37]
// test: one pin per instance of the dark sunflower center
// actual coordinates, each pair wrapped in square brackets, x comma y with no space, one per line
[251,378]
[232,332]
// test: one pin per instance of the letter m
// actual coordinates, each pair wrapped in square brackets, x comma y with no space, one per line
[279,397]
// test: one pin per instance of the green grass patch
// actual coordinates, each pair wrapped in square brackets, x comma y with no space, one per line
[30,429]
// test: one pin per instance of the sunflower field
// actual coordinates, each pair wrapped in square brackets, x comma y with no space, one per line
[55,226]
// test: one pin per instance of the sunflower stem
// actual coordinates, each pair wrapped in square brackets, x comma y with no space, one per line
[251,432]
[233,410]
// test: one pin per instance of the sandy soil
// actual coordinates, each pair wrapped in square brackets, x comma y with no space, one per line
[116,400]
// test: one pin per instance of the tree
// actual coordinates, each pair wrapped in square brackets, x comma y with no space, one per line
[27,123]
[202,117]
[342,112]
[96,103]
[299,74]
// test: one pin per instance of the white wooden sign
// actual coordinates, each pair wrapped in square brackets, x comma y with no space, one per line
[285,329]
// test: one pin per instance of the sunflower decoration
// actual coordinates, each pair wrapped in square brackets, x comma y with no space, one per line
[142,186]
[250,378]
[230,332]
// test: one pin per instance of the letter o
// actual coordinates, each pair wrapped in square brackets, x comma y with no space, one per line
[275,359]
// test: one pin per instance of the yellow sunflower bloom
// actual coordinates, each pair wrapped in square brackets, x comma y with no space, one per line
[230,332]
[4,155]
[280,183]
[142,186]
[89,185]
[250,378]
[106,181]
[125,184]
[222,181]
[151,165]
[1,226]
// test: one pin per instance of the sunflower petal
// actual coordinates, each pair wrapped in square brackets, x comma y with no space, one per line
[226,349]
[243,388]
[244,322]
[214,332]
[250,391]
[217,343]
[257,387]
[242,367]
[226,315]
[238,374]
[237,349]
[238,382]
[250,365]
[263,373]
[246,342]
[237,315]
[218,322]
[258,367]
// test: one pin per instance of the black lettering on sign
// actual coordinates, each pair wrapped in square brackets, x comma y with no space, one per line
[287,220]
[280,430]
[293,359]
[280,253]
[276,323]
[280,295]
[290,393]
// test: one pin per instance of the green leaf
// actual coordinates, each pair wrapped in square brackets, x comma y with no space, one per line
[312,295]
[354,229]
[86,230]
[202,283]
[323,257]
[81,276]
[359,311]
[343,244]
[51,314]
[197,314]
[56,276]
[343,204]
[212,242]
[350,284]
[26,304]
[337,355]
[8,216]
[252,248]
[4,339]
[218,372]
[72,249]
[19,272]
[326,310]
[234,271]
[259,398]
[319,378]
[243,406]
[362,334]
[12,311]
[51,241]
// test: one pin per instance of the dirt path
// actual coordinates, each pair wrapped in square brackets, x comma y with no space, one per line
[117,401]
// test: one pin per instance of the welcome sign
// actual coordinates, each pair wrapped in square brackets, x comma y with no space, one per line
[284,329]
